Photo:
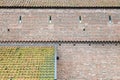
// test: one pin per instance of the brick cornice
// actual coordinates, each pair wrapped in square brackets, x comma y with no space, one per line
[34,41]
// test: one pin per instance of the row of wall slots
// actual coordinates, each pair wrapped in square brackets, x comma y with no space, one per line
[80,19]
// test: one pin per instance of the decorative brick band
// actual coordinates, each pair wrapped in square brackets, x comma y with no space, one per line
[69,42]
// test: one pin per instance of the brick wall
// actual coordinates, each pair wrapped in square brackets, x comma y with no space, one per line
[84,62]
[64,25]
[80,62]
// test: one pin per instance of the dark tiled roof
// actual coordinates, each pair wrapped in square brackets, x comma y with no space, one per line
[60,3]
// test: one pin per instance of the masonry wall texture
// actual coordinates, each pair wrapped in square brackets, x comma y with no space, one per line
[65,24]
[80,62]
[84,62]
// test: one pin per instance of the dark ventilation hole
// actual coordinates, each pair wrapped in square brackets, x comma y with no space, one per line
[8,30]
[84,29]
[80,19]
[20,19]
[50,19]
[115,44]
[74,44]
[57,58]
[59,44]
[110,19]
[90,44]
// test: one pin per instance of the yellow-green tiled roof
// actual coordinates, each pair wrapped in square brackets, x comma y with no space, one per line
[26,63]
[62,3]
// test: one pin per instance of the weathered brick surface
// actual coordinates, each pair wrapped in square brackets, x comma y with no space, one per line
[64,25]
[84,62]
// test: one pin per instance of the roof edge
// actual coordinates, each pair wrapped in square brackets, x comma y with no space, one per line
[59,7]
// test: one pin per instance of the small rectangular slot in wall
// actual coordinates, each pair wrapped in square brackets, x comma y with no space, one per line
[80,19]
[8,30]
[20,19]
[50,19]
[110,19]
